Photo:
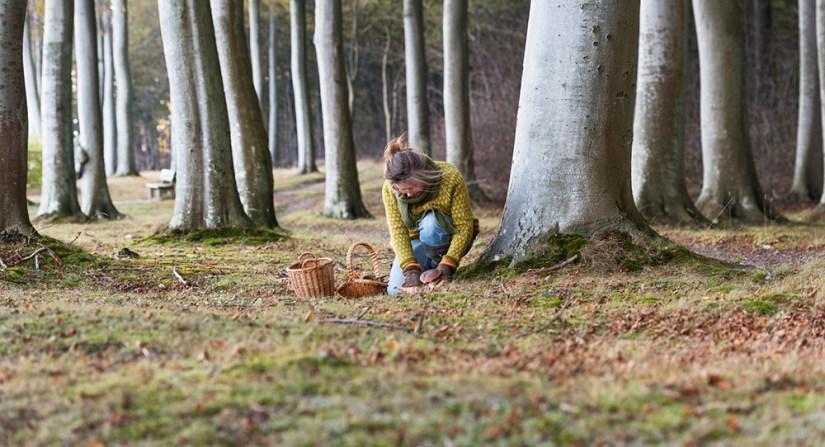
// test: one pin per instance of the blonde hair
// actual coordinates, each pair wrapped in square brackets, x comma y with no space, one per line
[403,163]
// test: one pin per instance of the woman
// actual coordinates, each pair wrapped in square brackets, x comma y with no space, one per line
[428,212]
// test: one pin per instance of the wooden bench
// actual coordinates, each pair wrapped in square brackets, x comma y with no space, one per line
[165,187]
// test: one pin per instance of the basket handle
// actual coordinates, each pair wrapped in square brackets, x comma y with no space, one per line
[373,258]
[304,261]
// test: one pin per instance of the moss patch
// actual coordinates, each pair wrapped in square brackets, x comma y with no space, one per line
[215,237]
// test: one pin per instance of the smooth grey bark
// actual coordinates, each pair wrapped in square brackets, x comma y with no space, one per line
[658,156]
[273,89]
[205,191]
[342,197]
[250,154]
[100,61]
[125,91]
[385,87]
[58,192]
[820,44]
[94,192]
[32,86]
[109,109]
[255,50]
[418,108]
[14,218]
[730,187]
[807,178]
[303,114]
[571,159]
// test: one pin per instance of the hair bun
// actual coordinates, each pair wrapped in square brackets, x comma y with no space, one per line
[394,146]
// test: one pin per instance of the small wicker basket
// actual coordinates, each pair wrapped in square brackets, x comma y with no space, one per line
[355,287]
[312,276]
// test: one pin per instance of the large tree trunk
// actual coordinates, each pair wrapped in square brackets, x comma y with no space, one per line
[125,92]
[273,89]
[255,50]
[59,194]
[807,178]
[94,198]
[100,46]
[658,160]
[253,163]
[418,109]
[303,115]
[32,86]
[730,188]
[205,192]
[109,109]
[571,159]
[762,18]
[342,199]
[14,218]
[820,43]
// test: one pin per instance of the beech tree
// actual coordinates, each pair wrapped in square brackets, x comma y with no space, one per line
[125,91]
[14,219]
[254,49]
[418,109]
[571,159]
[32,85]
[94,199]
[250,154]
[58,191]
[807,177]
[109,102]
[730,187]
[273,88]
[342,198]
[303,116]
[658,156]
[205,191]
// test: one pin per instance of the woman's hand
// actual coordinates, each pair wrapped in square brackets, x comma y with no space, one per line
[412,276]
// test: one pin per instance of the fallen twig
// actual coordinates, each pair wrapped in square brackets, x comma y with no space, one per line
[366,323]
[363,312]
[180,278]
[555,267]
[549,323]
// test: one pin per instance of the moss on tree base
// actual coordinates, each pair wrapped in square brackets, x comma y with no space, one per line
[216,236]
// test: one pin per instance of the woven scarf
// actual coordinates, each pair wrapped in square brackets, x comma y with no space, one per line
[412,219]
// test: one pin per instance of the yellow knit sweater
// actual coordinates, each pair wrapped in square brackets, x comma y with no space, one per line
[453,199]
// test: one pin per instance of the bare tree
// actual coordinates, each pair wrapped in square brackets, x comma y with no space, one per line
[58,196]
[250,155]
[418,108]
[109,109]
[342,199]
[255,50]
[14,219]
[730,187]
[205,195]
[571,160]
[658,159]
[273,88]
[32,85]
[125,90]
[807,178]
[303,115]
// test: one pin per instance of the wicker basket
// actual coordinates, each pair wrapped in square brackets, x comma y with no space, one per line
[355,287]
[312,276]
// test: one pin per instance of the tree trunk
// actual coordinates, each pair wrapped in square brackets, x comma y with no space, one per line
[273,88]
[820,44]
[59,186]
[457,126]
[730,188]
[125,92]
[253,163]
[342,198]
[94,198]
[658,156]
[100,62]
[385,84]
[255,50]
[205,191]
[32,86]
[571,159]
[303,115]
[762,37]
[109,109]
[14,220]
[418,109]
[807,178]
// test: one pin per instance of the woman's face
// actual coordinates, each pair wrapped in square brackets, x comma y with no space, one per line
[409,188]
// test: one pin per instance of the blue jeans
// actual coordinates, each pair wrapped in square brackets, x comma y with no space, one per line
[432,244]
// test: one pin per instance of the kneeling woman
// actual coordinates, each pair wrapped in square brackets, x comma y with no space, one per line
[428,211]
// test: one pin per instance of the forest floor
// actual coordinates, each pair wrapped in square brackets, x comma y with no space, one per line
[201,342]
